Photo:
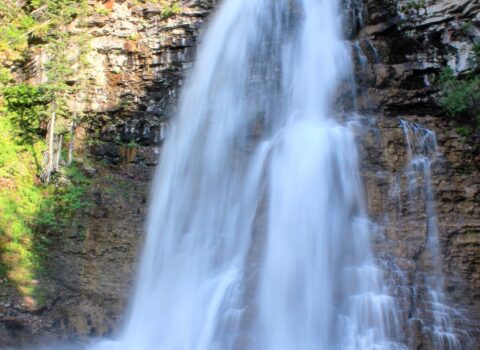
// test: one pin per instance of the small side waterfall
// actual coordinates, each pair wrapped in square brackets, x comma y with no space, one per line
[422,152]
[257,235]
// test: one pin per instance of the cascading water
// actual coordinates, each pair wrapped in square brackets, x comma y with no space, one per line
[438,316]
[257,233]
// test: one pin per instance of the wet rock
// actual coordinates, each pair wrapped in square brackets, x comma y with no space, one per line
[13,324]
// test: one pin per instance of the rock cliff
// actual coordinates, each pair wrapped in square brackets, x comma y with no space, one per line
[138,61]
[406,50]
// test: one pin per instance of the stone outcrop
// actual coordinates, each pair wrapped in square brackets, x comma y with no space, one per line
[138,63]
[406,50]
[138,60]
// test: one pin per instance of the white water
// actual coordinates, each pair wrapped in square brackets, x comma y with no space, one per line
[438,315]
[257,232]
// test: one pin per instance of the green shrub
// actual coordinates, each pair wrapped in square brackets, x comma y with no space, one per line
[464,131]
[460,97]
[476,55]
[102,11]
[27,105]
[416,5]
[170,9]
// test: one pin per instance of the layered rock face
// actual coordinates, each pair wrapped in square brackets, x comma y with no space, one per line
[399,54]
[139,60]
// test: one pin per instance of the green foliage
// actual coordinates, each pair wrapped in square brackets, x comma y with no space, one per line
[57,10]
[19,200]
[132,144]
[30,212]
[134,37]
[467,26]
[464,131]
[40,19]
[58,209]
[413,5]
[5,77]
[14,36]
[476,54]
[170,9]
[102,11]
[461,97]
[27,105]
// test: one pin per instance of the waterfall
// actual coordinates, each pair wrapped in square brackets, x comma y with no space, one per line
[258,237]
[437,315]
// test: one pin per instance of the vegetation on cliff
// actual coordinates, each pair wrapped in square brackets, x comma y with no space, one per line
[42,59]
[30,210]
[37,193]
[460,96]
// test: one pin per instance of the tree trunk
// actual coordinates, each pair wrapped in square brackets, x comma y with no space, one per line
[48,159]
[51,140]
[71,143]
[59,154]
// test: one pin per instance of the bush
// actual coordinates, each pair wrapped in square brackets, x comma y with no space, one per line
[460,97]
[170,9]
[27,104]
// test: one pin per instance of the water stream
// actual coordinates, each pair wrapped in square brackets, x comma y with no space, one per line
[437,315]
